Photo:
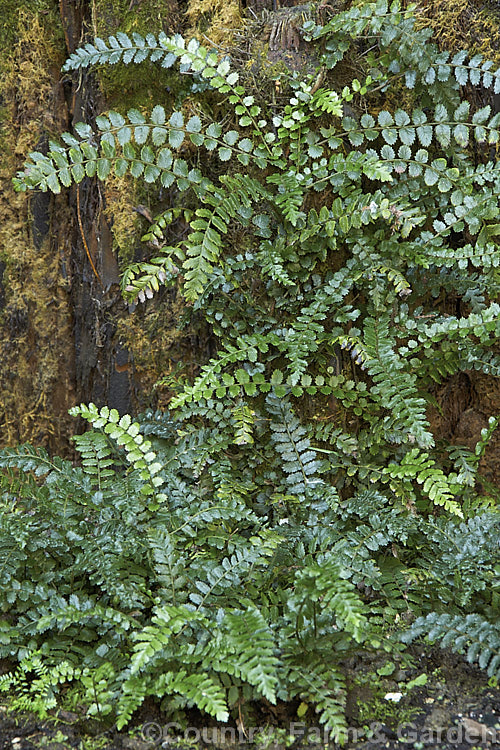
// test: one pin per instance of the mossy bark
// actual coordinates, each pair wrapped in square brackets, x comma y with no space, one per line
[36,355]
[60,305]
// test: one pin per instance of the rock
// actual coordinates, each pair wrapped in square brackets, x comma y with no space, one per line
[477,732]
[68,716]
[131,743]
[439,718]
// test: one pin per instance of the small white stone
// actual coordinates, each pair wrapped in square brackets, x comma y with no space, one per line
[394,697]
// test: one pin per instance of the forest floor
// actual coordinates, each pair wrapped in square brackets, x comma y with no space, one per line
[456,709]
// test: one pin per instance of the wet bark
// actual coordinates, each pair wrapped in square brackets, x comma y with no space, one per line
[100,361]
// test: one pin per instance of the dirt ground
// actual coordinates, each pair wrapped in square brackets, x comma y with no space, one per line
[457,709]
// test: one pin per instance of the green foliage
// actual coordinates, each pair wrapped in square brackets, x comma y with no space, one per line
[471,635]
[95,454]
[295,505]
[121,606]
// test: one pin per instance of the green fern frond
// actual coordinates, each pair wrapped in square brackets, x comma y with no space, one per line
[394,386]
[204,690]
[324,686]
[297,458]
[465,561]
[419,467]
[251,639]
[127,434]
[409,49]
[167,621]
[471,635]
[121,48]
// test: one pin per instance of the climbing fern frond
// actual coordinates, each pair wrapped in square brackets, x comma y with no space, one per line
[120,48]
[214,556]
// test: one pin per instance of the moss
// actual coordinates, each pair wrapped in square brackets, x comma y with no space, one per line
[11,12]
[152,337]
[121,197]
[35,322]
[472,25]
[126,86]
[215,20]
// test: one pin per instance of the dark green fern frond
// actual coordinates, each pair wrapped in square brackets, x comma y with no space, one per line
[297,459]
[471,635]
[394,386]
[28,459]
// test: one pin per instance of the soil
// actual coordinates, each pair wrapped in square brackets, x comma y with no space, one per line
[457,709]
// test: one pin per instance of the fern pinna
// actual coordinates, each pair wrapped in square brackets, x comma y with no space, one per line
[294,504]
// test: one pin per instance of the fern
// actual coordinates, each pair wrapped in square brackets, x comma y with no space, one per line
[126,433]
[470,634]
[408,49]
[298,461]
[248,648]
[394,385]
[325,688]
[295,506]
[419,467]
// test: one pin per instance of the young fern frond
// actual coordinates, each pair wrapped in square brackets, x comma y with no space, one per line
[205,242]
[419,467]
[202,689]
[137,450]
[153,639]
[97,456]
[140,281]
[244,419]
